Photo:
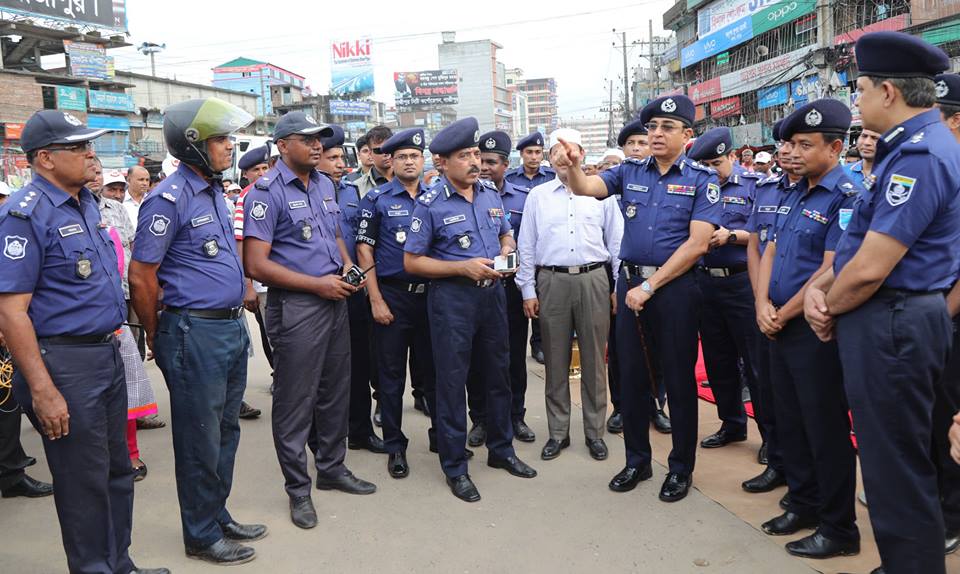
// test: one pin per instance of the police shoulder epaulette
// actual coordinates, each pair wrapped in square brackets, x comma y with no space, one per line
[770,179]
[751,175]
[263,184]
[487,183]
[344,181]
[699,166]
[634,160]
[918,143]
[848,189]
[23,203]
[428,197]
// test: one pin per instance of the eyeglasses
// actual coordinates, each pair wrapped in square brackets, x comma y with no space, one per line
[77,147]
[309,140]
[667,128]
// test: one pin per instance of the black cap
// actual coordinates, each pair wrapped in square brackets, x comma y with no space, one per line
[496,142]
[776,130]
[827,116]
[407,139]
[48,127]
[461,134]
[948,89]
[536,138]
[254,157]
[678,107]
[299,123]
[898,55]
[335,139]
[631,129]
[712,144]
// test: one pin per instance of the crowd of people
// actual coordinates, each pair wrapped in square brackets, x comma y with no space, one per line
[820,282]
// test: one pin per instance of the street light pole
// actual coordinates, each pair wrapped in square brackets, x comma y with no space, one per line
[150,49]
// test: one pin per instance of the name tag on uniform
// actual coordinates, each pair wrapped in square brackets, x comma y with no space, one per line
[398,213]
[784,210]
[202,220]
[815,215]
[516,212]
[68,230]
[496,212]
[676,189]
[734,200]
[454,219]
[767,209]
[298,204]
[639,188]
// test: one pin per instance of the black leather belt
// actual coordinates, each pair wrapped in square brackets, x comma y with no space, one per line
[77,339]
[222,314]
[471,283]
[418,288]
[723,271]
[632,270]
[891,291]
[575,270]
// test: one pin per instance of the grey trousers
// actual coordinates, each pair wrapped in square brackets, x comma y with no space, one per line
[578,303]
[311,397]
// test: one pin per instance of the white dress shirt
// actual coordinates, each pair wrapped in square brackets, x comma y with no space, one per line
[133,208]
[563,229]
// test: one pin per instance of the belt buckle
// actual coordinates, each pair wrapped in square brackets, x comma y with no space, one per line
[485,283]
[573,270]
[420,289]
[718,272]
[647,271]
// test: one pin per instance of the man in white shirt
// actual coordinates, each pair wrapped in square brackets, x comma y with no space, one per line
[138,183]
[565,243]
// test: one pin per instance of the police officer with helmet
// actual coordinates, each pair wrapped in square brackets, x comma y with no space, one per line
[185,247]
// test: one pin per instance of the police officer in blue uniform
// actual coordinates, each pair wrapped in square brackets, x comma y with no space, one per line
[62,304]
[885,295]
[811,410]
[398,299]
[671,206]
[186,248]
[528,175]
[457,229]
[728,323]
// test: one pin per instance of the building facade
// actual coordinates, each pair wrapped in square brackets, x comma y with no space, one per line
[271,84]
[541,103]
[483,81]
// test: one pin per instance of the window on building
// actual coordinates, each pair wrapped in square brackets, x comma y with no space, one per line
[49,97]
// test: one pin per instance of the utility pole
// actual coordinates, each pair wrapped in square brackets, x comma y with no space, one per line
[652,43]
[610,138]
[151,49]
[626,75]
[653,79]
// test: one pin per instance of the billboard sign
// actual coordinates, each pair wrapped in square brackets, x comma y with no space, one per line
[349,108]
[351,69]
[730,36]
[725,107]
[773,96]
[101,100]
[784,67]
[103,13]
[71,98]
[780,14]
[426,88]
[88,60]
[722,13]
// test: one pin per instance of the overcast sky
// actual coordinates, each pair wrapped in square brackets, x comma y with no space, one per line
[570,41]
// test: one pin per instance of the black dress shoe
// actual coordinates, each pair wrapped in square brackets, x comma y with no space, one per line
[244,532]
[140,472]
[346,482]
[224,552]
[768,480]
[597,448]
[818,546]
[661,422]
[513,465]
[675,487]
[628,478]
[477,435]
[420,403]
[463,488]
[373,443]
[552,449]
[723,437]
[952,542]
[302,512]
[377,417]
[615,423]
[762,457]
[785,501]
[537,355]
[788,523]
[397,465]
[522,432]
[28,487]
[151,571]
[248,412]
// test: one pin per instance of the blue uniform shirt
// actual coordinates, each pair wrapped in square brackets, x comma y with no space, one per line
[912,197]
[348,199]
[736,197]
[767,197]
[55,248]
[300,223]
[809,223]
[855,173]
[657,209]
[386,215]
[518,178]
[446,226]
[185,226]
[513,201]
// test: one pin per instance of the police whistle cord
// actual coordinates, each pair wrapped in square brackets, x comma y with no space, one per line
[6,379]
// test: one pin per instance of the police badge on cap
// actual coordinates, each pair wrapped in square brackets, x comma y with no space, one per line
[813,118]
[668,106]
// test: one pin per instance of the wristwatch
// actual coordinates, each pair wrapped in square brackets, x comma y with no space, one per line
[646,287]
[732,238]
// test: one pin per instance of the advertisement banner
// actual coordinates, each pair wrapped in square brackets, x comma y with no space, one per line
[700,113]
[104,13]
[749,134]
[88,60]
[725,107]
[780,14]
[730,36]
[806,89]
[722,13]
[426,88]
[784,68]
[351,70]
[705,91]
[101,100]
[71,98]
[889,25]
[773,96]
[349,108]
[12,131]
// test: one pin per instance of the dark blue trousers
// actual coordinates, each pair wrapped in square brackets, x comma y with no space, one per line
[814,429]
[204,364]
[361,366]
[670,318]
[657,400]
[409,330]
[12,458]
[946,405]
[465,321]
[764,403]
[92,475]
[894,348]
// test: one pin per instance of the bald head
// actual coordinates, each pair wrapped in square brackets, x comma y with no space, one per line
[138,182]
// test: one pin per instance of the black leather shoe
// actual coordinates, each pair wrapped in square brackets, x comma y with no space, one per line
[768,480]
[28,487]
[722,437]
[785,501]
[628,478]
[302,512]
[675,487]
[513,465]
[397,465]
[762,457]
[477,435]
[244,532]
[463,488]
[537,355]
[552,449]
[615,423]
[346,482]
[373,443]
[788,523]
[597,448]
[952,542]
[661,422]
[151,571]
[377,417]
[223,552]
[248,412]
[818,546]
[522,432]
[420,403]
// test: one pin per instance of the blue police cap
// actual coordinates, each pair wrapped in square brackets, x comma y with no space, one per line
[536,138]
[407,139]
[461,134]
[254,157]
[48,127]
[898,55]
[776,130]
[299,123]
[827,116]
[712,144]
[948,89]
[335,139]
[677,107]
[496,142]
[631,129]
